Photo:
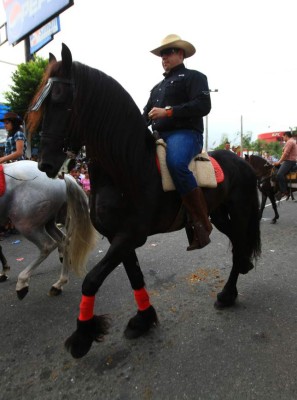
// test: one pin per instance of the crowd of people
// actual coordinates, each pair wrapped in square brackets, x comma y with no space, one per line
[81,175]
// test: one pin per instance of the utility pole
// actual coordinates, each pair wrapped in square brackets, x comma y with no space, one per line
[206,125]
[28,56]
[241,136]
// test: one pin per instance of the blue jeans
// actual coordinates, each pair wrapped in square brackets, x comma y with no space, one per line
[182,146]
[285,167]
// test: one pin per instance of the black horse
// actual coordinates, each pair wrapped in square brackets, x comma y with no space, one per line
[82,106]
[263,169]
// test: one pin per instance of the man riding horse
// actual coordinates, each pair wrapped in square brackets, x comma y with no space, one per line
[286,162]
[175,109]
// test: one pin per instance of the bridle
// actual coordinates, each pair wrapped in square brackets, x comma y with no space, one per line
[65,139]
[47,89]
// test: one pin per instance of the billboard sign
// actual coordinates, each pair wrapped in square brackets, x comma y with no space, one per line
[23,17]
[44,35]
[3,110]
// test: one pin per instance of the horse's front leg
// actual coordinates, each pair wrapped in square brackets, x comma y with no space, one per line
[5,266]
[263,202]
[90,327]
[146,316]
[274,206]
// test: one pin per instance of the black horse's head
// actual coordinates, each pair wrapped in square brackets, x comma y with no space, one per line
[52,105]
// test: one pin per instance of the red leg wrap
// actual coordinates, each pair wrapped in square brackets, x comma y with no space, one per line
[86,308]
[142,299]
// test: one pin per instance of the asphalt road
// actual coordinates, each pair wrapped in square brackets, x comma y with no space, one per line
[245,352]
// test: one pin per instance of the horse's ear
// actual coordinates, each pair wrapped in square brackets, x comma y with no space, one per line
[51,58]
[66,59]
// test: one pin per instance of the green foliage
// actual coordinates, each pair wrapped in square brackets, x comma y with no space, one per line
[26,80]
[224,139]
[247,141]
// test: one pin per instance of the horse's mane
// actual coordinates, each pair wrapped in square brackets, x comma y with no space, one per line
[107,121]
[264,160]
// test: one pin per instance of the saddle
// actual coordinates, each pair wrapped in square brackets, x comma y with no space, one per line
[206,169]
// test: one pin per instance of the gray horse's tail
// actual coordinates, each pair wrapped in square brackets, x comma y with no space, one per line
[80,236]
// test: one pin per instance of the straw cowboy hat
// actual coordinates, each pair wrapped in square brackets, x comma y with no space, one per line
[175,41]
[10,116]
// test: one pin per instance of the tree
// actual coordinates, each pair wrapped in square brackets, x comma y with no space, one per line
[26,80]
[224,139]
[275,149]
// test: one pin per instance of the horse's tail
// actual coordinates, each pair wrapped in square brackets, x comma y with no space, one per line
[80,236]
[253,234]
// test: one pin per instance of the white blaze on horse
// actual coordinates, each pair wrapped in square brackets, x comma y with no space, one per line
[32,202]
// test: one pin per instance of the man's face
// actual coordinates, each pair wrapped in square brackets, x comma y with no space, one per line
[171,58]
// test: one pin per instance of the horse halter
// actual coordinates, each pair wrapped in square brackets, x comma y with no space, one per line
[47,89]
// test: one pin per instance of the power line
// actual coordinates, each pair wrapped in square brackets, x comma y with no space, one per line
[8,62]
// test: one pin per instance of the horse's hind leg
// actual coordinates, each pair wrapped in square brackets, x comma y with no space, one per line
[5,266]
[46,245]
[146,316]
[58,236]
[245,238]
[228,295]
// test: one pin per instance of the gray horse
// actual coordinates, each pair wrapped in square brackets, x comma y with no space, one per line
[32,202]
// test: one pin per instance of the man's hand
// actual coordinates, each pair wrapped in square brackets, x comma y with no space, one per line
[157,113]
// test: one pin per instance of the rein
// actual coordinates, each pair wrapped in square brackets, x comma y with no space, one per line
[19,179]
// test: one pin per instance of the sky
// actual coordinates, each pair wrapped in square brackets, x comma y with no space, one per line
[246,48]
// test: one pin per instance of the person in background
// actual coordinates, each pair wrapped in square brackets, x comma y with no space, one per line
[175,109]
[75,173]
[286,162]
[15,148]
[227,146]
[85,182]
[16,143]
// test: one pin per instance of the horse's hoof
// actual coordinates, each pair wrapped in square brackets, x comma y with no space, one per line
[225,299]
[3,278]
[54,292]
[245,268]
[80,342]
[141,323]
[22,293]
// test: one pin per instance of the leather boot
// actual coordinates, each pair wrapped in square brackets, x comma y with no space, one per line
[197,207]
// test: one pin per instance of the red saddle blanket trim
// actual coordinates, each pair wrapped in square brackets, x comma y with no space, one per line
[218,170]
[2,181]
[216,166]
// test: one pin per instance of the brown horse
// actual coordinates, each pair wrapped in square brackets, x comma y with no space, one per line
[266,176]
